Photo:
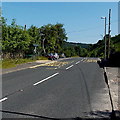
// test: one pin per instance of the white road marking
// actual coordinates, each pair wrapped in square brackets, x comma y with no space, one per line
[105,69]
[45,79]
[77,62]
[69,67]
[82,59]
[21,90]
[3,99]
[99,59]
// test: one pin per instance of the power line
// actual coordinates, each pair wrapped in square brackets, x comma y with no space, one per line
[82,30]
[87,29]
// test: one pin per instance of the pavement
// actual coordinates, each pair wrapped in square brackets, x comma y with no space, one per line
[66,88]
[113,74]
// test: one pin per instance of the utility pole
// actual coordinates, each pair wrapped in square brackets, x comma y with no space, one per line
[104,36]
[108,55]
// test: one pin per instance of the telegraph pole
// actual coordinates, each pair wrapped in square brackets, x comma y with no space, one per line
[108,55]
[105,36]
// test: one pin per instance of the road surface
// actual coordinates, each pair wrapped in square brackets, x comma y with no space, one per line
[68,88]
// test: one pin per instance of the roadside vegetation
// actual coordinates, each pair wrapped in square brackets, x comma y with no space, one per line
[21,44]
[97,50]
[9,63]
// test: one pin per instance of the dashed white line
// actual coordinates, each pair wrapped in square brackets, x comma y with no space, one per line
[69,67]
[77,62]
[82,59]
[45,79]
[3,99]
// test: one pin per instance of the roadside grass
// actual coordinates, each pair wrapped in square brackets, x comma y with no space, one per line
[10,63]
[42,58]
[0,63]
[75,56]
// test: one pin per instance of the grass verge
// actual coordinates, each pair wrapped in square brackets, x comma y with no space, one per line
[10,63]
[42,58]
[75,56]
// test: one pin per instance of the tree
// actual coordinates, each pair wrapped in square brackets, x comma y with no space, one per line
[34,34]
[78,50]
[15,40]
[53,37]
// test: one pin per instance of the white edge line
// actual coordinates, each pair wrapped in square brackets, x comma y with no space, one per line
[3,99]
[69,67]
[45,79]
[105,69]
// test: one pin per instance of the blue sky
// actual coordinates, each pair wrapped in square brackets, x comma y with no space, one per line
[82,21]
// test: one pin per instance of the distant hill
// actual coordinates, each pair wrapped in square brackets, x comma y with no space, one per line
[97,50]
[82,45]
[93,50]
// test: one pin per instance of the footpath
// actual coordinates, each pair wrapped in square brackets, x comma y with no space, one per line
[113,74]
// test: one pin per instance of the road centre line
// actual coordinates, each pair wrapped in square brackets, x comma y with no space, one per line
[3,99]
[77,62]
[45,79]
[69,67]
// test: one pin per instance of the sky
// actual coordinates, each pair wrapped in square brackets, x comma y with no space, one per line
[82,20]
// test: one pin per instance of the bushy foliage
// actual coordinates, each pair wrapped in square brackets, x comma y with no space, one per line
[97,50]
[17,41]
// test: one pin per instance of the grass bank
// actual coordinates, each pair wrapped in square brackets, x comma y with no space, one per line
[75,56]
[10,63]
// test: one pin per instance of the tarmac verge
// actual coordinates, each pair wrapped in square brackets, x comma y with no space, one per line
[113,76]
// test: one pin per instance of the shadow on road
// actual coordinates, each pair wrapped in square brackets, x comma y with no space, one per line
[113,61]
[95,115]
[108,63]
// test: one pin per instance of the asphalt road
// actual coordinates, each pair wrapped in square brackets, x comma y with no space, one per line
[65,89]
